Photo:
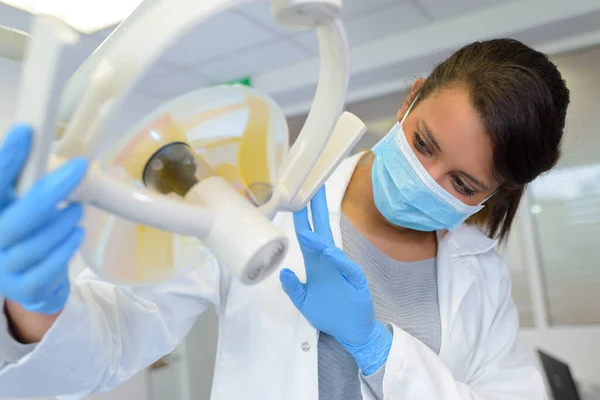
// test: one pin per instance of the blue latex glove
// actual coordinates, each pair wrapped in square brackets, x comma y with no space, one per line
[37,237]
[335,298]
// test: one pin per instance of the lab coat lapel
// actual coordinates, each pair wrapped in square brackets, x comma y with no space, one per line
[454,280]
[456,275]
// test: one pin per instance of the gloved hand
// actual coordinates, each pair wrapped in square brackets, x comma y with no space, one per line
[335,298]
[37,238]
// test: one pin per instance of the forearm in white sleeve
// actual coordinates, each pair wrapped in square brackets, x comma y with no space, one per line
[106,334]
[10,350]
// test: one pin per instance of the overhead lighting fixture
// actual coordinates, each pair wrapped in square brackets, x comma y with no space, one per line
[86,16]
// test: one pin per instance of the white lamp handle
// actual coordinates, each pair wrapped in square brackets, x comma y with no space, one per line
[348,131]
[41,83]
[322,118]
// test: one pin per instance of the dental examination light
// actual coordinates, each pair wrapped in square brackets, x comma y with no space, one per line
[204,174]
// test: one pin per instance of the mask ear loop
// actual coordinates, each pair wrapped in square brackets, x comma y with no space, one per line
[378,144]
[489,197]
[410,108]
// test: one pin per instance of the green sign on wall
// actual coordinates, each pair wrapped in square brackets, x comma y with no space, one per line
[246,81]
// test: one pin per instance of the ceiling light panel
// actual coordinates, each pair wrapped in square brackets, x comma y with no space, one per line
[86,16]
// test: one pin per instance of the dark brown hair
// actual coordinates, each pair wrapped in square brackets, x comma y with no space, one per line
[522,101]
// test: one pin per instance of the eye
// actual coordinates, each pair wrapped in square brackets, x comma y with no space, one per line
[421,145]
[462,188]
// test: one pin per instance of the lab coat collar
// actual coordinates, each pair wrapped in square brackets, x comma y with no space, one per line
[465,240]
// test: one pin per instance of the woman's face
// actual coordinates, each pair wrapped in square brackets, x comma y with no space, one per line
[446,135]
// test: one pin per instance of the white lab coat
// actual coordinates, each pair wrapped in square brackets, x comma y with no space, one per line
[267,350]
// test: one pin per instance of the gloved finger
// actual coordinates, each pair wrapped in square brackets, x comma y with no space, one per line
[312,242]
[301,223]
[320,216]
[54,303]
[40,281]
[33,250]
[32,295]
[6,198]
[34,210]
[13,154]
[351,271]
[292,286]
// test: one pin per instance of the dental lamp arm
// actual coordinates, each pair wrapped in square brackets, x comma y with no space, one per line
[110,57]
[322,118]
[129,52]
[140,204]
[285,12]
[121,66]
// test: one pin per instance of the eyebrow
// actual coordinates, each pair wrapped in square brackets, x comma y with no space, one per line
[429,134]
[431,137]
[474,181]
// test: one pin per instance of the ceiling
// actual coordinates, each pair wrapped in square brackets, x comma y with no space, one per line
[392,41]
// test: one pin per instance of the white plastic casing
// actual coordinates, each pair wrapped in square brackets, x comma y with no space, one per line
[305,14]
[122,59]
[138,204]
[236,232]
[241,239]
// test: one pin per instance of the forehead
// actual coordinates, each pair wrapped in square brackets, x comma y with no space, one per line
[457,128]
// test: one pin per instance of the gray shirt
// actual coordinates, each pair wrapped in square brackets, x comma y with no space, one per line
[404,294]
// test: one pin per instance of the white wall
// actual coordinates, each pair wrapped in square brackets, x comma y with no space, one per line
[577,345]
[9,80]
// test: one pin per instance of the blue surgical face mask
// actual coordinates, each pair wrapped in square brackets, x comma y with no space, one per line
[406,195]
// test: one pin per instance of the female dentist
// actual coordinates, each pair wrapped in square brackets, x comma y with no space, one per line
[416,306]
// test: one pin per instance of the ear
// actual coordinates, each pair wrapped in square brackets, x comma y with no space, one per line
[412,94]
